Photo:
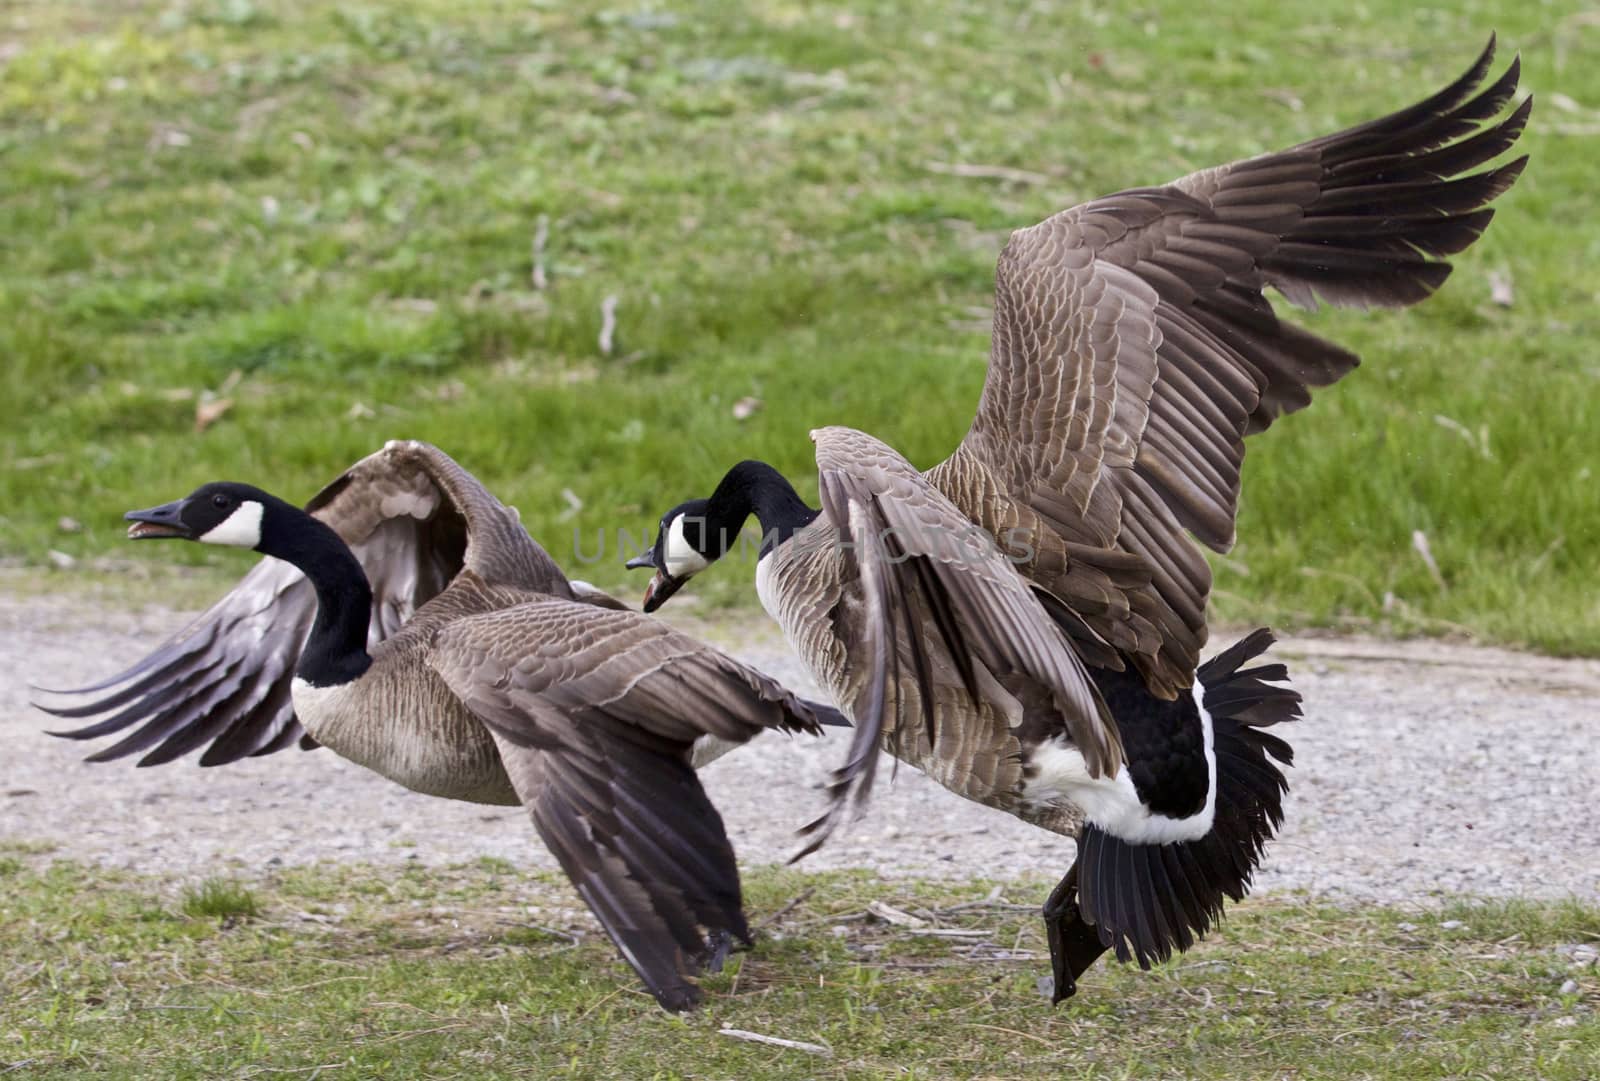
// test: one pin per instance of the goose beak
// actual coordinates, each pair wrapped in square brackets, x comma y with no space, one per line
[158,522]
[662,586]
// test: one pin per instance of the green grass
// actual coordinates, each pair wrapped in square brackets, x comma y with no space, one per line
[221,899]
[324,213]
[479,971]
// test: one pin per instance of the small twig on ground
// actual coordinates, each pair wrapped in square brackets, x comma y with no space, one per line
[541,234]
[793,903]
[608,324]
[948,932]
[777,1041]
[1011,1032]
[163,1006]
[846,917]
[889,914]
[990,904]
[985,172]
[585,1014]
[401,1036]
[1419,541]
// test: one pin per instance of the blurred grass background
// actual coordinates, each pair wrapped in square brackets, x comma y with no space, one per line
[313,226]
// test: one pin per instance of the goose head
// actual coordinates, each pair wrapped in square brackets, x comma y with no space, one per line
[684,547]
[223,512]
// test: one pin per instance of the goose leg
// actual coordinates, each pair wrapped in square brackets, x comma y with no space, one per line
[1074,944]
[718,945]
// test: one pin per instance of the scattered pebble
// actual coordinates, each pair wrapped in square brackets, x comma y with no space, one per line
[1402,744]
[1581,953]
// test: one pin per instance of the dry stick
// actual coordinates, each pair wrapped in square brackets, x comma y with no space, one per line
[1010,1032]
[889,914]
[947,932]
[608,323]
[990,903]
[541,234]
[794,902]
[597,1005]
[1419,541]
[401,1036]
[777,1041]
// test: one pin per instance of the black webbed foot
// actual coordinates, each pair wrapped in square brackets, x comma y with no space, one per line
[1074,944]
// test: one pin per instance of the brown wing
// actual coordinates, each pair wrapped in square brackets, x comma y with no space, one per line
[222,682]
[412,516]
[934,586]
[1134,350]
[595,712]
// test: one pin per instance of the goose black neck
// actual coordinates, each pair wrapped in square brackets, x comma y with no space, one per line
[756,488]
[336,650]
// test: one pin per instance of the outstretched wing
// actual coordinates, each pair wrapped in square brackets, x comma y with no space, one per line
[946,596]
[412,516]
[1134,349]
[595,713]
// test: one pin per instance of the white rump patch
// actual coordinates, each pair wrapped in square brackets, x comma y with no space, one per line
[681,558]
[708,748]
[766,588]
[1112,803]
[241,529]
[419,505]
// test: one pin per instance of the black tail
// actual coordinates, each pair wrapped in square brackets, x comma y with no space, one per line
[1147,900]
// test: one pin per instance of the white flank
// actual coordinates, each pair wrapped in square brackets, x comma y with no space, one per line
[766,589]
[681,559]
[241,529]
[708,748]
[1112,803]
[312,704]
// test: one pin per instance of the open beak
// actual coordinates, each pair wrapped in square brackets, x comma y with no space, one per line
[158,522]
[662,586]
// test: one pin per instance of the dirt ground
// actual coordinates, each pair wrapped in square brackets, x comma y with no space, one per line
[1422,769]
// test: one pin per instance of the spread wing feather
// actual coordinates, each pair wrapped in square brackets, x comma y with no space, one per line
[931,582]
[1134,349]
[413,517]
[595,713]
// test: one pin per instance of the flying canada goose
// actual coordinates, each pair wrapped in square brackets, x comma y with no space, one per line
[410,624]
[1024,621]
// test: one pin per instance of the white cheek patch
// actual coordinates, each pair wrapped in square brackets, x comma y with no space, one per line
[681,559]
[241,529]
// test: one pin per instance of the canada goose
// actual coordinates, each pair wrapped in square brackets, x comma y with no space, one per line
[413,627]
[1024,621]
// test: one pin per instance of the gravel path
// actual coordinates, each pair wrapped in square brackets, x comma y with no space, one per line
[1424,768]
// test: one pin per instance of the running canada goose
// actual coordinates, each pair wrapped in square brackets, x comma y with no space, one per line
[1024,621]
[410,624]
